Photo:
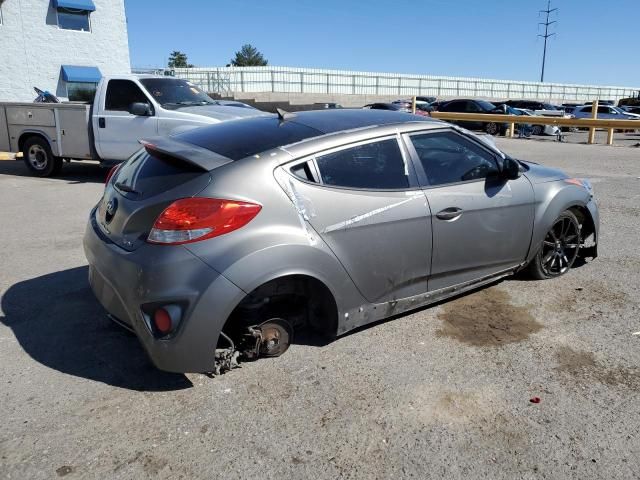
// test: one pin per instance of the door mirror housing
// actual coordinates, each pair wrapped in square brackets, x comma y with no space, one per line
[511,168]
[140,109]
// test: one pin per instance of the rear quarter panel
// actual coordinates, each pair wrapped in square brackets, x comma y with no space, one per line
[277,242]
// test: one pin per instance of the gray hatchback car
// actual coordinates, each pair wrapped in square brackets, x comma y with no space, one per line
[226,240]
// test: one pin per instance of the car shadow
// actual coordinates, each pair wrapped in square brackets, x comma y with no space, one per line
[72,172]
[59,323]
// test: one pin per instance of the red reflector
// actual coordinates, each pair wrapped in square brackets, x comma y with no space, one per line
[112,170]
[162,320]
[194,219]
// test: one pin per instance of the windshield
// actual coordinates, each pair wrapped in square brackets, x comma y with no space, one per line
[175,93]
[487,106]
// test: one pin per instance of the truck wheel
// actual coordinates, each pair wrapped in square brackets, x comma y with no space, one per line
[39,159]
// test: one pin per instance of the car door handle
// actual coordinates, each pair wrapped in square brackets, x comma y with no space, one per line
[450,213]
[101,122]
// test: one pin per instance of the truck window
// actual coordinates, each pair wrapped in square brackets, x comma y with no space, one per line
[121,94]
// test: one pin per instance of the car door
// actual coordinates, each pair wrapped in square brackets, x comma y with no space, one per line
[118,130]
[366,204]
[481,223]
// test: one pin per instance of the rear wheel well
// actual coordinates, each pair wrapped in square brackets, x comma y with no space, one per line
[301,300]
[27,135]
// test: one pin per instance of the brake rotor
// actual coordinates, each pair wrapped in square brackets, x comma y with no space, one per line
[276,337]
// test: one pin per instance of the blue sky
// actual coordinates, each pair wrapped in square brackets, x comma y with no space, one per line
[596,43]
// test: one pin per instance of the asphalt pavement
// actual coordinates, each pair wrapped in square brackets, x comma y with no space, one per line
[444,392]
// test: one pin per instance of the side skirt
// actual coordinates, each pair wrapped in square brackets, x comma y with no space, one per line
[369,313]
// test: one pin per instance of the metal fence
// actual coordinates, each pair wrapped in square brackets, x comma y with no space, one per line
[226,80]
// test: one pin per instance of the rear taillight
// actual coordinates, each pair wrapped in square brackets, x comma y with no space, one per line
[194,219]
[112,171]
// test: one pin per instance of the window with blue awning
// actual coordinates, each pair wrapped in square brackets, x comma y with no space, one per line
[74,73]
[84,5]
[80,81]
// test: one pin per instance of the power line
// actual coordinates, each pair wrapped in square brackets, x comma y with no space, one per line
[546,35]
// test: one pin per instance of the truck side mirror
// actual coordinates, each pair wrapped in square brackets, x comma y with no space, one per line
[141,109]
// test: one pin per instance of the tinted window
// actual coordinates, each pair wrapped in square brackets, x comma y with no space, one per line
[449,158]
[377,165]
[150,174]
[121,94]
[453,107]
[73,19]
[586,109]
[240,139]
[175,93]
[472,107]
[486,106]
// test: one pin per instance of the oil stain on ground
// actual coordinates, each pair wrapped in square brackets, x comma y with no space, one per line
[584,367]
[486,318]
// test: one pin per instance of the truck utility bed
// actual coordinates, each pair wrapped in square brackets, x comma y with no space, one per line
[64,125]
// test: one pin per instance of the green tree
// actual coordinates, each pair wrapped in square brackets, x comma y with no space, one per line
[248,56]
[179,59]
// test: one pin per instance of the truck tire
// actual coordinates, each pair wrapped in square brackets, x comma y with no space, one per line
[39,159]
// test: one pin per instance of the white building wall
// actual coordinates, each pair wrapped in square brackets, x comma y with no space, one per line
[33,48]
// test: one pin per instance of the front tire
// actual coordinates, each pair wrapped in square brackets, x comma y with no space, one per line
[559,248]
[39,159]
[537,130]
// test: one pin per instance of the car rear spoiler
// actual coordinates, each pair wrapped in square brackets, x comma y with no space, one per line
[187,152]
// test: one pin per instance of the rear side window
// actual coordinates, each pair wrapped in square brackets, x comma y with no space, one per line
[450,158]
[121,94]
[373,166]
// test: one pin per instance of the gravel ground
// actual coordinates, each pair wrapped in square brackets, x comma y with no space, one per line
[441,393]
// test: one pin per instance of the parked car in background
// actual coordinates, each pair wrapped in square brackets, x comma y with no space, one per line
[538,129]
[475,106]
[422,107]
[326,105]
[631,109]
[125,108]
[604,112]
[396,107]
[230,239]
[232,103]
[426,99]
[541,108]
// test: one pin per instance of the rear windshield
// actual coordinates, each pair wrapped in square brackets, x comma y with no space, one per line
[145,175]
[238,139]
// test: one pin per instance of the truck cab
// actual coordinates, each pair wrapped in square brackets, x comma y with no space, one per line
[129,107]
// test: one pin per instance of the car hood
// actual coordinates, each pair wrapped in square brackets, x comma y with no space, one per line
[222,112]
[540,174]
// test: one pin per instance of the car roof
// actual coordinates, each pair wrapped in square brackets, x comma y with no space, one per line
[242,138]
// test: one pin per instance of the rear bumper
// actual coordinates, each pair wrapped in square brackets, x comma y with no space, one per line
[123,281]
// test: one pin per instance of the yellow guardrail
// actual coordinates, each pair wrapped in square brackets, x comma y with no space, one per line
[10,156]
[512,120]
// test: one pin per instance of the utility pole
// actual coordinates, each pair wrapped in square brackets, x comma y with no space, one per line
[546,35]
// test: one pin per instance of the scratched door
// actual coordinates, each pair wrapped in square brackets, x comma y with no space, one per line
[364,201]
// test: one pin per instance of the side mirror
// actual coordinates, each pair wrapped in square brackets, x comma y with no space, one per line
[140,109]
[511,169]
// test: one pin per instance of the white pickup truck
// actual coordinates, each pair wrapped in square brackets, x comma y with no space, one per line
[125,108]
